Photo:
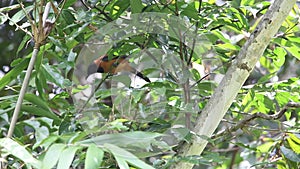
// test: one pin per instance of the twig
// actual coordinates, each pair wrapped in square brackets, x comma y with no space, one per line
[62,6]
[205,76]
[26,14]
[108,18]
[18,27]
[90,97]
[84,4]
[245,121]
[194,39]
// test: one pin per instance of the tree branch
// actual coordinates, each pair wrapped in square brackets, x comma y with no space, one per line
[246,120]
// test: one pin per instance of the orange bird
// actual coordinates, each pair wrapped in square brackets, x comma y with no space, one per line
[114,65]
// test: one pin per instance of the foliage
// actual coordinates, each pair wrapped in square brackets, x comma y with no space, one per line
[52,132]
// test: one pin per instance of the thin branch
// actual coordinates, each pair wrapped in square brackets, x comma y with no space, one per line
[194,39]
[205,76]
[246,120]
[107,18]
[22,93]
[26,14]
[62,7]
[84,4]
[18,27]
[90,97]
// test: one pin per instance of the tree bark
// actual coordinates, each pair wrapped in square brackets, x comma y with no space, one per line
[235,77]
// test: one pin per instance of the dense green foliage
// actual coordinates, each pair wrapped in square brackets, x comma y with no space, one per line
[260,129]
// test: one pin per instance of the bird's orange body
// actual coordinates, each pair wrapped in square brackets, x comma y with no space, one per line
[114,65]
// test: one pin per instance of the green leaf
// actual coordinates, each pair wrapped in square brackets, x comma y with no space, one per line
[294,39]
[123,157]
[294,50]
[69,3]
[247,2]
[294,143]
[37,101]
[119,7]
[136,6]
[14,73]
[190,11]
[66,157]
[41,131]
[23,43]
[247,101]
[78,31]
[53,75]
[3,18]
[280,59]
[20,15]
[19,151]
[41,85]
[266,78]
[221,36]
[40,112]
[9,8]
[47,141]
[228,47]
[290,154]
[283,98]
[94,157]
[295,138]
[52,155]
[122,78]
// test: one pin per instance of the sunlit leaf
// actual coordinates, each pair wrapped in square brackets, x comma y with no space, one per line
[3,19]
[11,147]
[123,157]
[66,157]
[280,59]
[294,50]
[9,8]
[94,157]
[52,155]
[20,15]
[294,143]
[119,7]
